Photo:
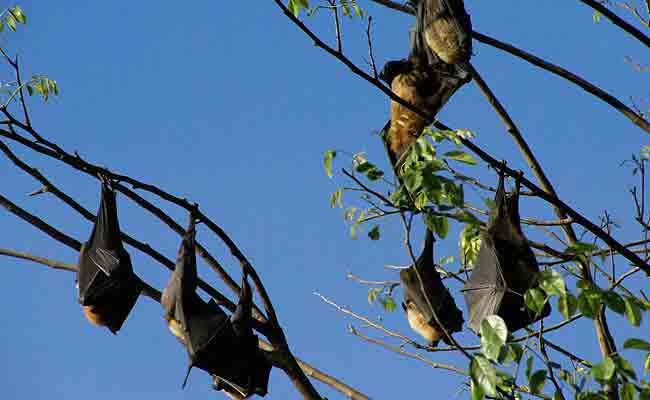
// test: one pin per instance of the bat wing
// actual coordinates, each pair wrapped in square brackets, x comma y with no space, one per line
[486,286]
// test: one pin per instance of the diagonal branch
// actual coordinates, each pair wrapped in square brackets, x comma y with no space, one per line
[618,21]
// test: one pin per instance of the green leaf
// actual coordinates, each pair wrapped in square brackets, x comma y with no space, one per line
[567,305]
[552,283]
[440,226]
[596,16]
[566,376]
[461,156]
[589,302]
[638,344]
[483,374]
[537,381]
[446,260]
[529,367]
[373,234]
[335,198]
[632,311]
[30,90]
[454,194]
[11,21]
[624,368]
[513,353]
[477,392]
[493,336]
[646,364]
[388,303]
[614,302]
[628,392]
[604,370]
[535,300]
[581,248]
[17,12]
[327,161]
[372,294]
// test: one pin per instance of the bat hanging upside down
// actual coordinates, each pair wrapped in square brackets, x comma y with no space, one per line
[107,286]
[418,304]
[224,347]
[443,30]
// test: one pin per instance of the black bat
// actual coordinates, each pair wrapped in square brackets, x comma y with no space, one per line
[443,32]
[418,310]
[505,268]
[222,346]
[108,287]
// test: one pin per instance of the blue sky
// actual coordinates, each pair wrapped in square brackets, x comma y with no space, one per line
[229,104]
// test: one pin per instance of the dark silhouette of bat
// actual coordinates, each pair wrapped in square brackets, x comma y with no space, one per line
[107,286]
[418,310]
[443,32]
[505,268]
[225,347]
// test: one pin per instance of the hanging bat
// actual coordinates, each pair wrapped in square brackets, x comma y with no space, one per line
[505,268]
[224,347]
[443,31]
[416,306]
[425,89]
[107,286]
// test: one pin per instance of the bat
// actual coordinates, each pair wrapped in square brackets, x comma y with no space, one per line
[425,89]
[505,268]
[224,347]
[416,306]
[443,31]
[107,286]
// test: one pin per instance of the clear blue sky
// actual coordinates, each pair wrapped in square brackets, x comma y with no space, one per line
[229,104]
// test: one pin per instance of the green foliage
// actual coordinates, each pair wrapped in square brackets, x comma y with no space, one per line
[638,344]
[493,336]
[483,374]
[351,8]
[633,311]
[374,234]
[295,6]
[327,162]
[461,156]
[604,370]
[537,381]
[567,305]
[439,225]
[589,299]
[469,243]
[383,296]
[628,392]
[336,199]
[12,17]
[535,300]
[552,283]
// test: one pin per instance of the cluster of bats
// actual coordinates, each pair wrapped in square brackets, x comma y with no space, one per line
[226,347]
[223,346]
[436,67]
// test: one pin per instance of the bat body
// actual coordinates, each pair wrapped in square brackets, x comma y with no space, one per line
[427,90]
[222,346]
[416,306]
[504,270]
[443,31]
[107,286]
